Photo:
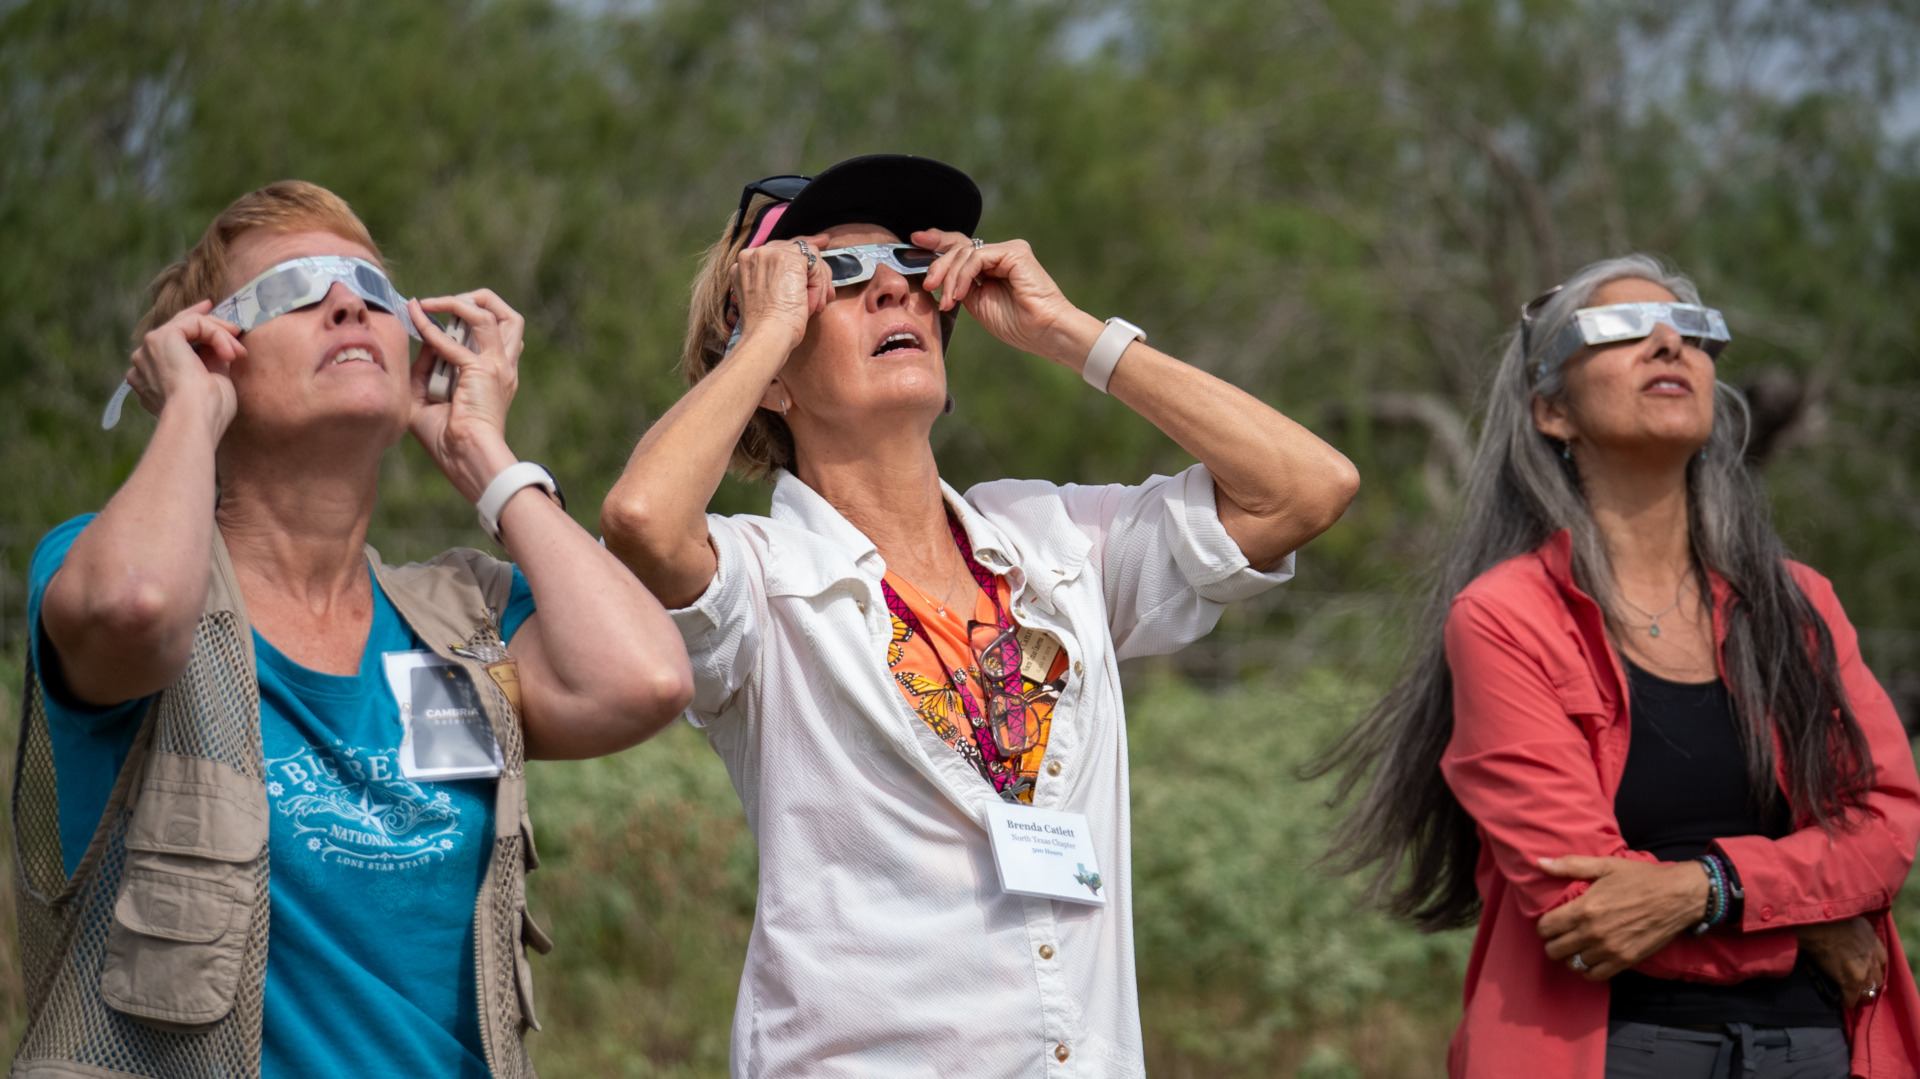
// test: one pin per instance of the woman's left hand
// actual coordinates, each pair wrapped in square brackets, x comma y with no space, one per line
[466,436]
[1003,286]
[1632,910]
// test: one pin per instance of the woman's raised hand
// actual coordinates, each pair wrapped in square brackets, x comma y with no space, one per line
[188,357]
[466,436]
[1850,953]
[777,287]
[1004,287]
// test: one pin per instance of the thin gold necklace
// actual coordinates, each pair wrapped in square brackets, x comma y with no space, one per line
[940,607]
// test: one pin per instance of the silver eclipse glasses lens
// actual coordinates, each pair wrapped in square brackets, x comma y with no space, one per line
[1702,327]
[296,283]
[852,265]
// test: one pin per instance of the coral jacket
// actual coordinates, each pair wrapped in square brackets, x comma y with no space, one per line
[1539,744]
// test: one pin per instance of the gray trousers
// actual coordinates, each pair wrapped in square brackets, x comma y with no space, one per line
[1646,1051]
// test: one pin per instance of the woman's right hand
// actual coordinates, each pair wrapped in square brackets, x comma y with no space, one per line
[775,288]
[1850,953]
[189,357]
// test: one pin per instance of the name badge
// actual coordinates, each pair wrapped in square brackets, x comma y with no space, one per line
[445,733]
[1045,853]
[1037,649]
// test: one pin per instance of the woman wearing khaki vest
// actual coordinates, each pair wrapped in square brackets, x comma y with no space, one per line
[270,811]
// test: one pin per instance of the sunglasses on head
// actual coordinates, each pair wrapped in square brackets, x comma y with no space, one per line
[781,189]
[852,265]
[302,282]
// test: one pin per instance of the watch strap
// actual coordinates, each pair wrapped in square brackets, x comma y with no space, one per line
[508,483]
[1106,351]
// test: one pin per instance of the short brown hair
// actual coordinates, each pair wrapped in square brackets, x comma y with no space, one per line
[767,442]
[285,206]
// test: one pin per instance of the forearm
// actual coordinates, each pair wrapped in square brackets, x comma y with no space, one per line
[654,518]
[605,666]
[1279,485]
[122,610]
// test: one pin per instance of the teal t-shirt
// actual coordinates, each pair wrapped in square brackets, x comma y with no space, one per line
[374,877]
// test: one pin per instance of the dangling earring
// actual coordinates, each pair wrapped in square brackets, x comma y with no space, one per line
[947,409]
[1566,452]
[784,405]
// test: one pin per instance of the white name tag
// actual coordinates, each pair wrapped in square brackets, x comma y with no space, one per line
[1045,853]
[445,733]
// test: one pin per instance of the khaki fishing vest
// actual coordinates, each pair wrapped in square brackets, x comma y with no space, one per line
[151,959]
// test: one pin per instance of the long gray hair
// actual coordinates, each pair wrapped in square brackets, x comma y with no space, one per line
[1520,491]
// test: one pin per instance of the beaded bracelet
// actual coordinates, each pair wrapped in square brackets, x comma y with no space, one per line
[1718,905]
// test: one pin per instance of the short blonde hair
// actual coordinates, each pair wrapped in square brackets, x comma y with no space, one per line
[767,442]
[285,206]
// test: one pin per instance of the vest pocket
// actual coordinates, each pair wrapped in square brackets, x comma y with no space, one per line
[185,909]
[176,941]
[531,935]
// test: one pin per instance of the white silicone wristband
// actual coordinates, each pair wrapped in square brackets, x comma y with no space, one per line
[1106,351]
[508,483]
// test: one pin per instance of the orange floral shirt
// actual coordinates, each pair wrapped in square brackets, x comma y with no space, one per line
[936,664]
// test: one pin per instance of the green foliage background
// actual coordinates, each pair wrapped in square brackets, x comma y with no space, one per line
[1338,206]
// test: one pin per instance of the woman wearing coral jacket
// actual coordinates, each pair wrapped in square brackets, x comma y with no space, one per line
[1637,742]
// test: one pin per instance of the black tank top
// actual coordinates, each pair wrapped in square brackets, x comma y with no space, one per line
[1686,785]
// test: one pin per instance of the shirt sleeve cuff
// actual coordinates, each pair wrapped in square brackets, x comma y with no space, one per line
[726,594]
[1212,563]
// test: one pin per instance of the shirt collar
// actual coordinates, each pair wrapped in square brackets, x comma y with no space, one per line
[844,552]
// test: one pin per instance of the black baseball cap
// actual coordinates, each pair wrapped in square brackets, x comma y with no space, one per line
[901,193]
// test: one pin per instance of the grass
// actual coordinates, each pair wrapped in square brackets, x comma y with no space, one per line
[1251,961]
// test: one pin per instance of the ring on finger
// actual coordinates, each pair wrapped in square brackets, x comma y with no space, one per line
[978,243]
[1578,963]
[807,251]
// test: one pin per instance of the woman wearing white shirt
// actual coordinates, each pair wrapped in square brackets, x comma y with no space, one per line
[839,645]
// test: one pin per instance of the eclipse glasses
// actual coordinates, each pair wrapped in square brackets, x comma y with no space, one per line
[296,283]
[289,286]
[852,265]
[1702,327]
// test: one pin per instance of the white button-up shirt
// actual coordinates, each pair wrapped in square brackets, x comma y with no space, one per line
[882,944]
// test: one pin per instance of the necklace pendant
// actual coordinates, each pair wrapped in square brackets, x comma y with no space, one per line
[1653,629]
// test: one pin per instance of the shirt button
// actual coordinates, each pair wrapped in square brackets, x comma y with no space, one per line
[1046,951]
[1828,911]
[1078,668]
[1053,768]
[1766,914]
[1060,1053]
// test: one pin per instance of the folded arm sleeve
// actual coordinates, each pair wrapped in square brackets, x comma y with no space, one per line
[721,629]
[1167,566]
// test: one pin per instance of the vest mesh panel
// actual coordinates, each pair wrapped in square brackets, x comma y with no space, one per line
[66,936]
[505,893]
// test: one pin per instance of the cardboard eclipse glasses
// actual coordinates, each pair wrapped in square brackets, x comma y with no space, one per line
[1702,327]
[289,286]
[297,283]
